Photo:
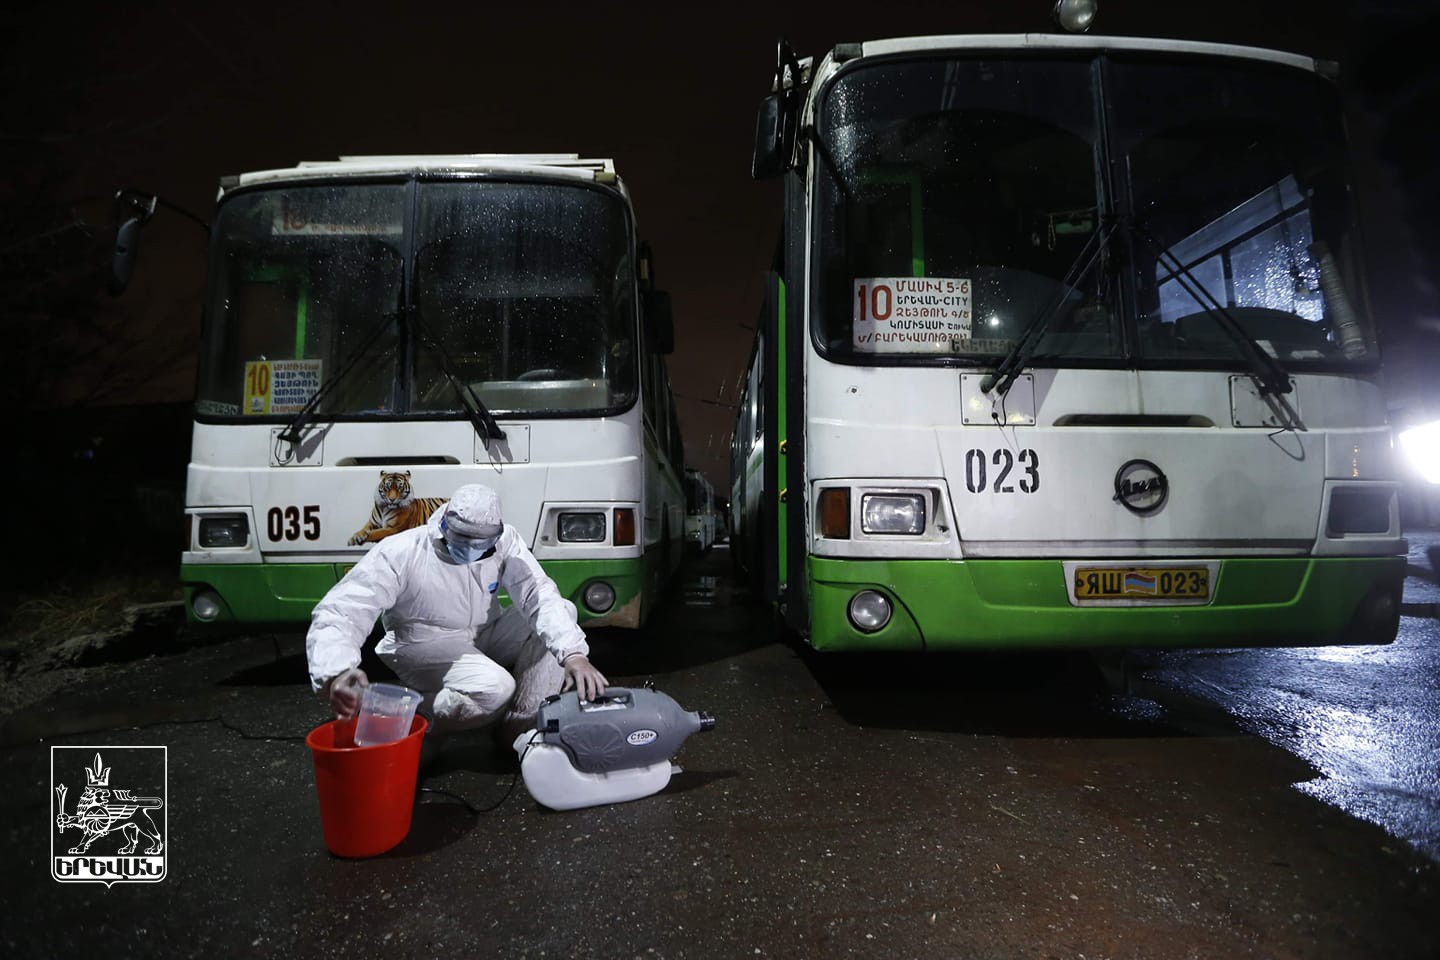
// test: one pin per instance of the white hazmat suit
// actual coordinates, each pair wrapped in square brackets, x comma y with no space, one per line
[446,634]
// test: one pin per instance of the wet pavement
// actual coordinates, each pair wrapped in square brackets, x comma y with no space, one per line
[1367,718]
[1271,803]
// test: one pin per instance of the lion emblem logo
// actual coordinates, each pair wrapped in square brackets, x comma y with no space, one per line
[103,814]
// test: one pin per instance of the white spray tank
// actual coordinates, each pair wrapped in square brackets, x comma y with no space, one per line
[617,747]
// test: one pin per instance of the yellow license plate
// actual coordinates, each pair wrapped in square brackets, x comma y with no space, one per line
[1142,583]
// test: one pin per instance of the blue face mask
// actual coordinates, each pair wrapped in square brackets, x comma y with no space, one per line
[468,552]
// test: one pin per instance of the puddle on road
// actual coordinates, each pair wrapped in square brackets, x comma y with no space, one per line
[1364,717]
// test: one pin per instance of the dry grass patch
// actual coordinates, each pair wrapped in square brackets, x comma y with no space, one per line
[72,609]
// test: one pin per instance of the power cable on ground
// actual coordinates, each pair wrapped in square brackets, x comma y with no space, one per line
[246,735]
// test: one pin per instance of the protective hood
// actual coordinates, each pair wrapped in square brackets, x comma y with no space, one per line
[473,513]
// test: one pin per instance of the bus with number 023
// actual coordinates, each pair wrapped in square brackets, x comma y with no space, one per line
[1065,344]
[378,331]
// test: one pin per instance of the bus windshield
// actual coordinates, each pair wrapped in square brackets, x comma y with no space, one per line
[523,292]
[961,194]
[1239,184]
[960,200]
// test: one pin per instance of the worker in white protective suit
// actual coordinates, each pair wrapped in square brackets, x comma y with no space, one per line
[446,634]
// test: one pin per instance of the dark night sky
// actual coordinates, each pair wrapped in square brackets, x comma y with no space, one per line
[170,97]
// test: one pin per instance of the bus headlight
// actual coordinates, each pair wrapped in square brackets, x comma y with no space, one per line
[1075,16]
[1422,448]
[599,597]
[869,611]
[902,513]
[205,605]
[227,531]
[581,527]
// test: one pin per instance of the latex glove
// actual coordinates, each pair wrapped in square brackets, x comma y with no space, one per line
[580,674]
[344,692]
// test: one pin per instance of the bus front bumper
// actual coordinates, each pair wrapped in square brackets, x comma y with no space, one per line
[285,593]
[1024,604]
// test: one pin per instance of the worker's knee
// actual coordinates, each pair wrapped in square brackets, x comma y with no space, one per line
[475,690]
[502,692]
[480,677]
[455,710]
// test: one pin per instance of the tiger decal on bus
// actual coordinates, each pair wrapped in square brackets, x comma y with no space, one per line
[396,509]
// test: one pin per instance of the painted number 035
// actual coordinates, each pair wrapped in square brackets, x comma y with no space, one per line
[1003,462]
[290,523]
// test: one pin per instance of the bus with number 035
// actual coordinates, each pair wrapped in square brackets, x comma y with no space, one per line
[378,331]
[1065,344]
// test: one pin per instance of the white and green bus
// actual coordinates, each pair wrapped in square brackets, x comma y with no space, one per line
[702,519]
[1066,344]
[380,330]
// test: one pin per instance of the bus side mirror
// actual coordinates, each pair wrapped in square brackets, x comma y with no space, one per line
[779,118]
[135,208]
[771,158]
[659,322]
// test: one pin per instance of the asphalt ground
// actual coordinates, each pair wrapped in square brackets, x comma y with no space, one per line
[1177,805]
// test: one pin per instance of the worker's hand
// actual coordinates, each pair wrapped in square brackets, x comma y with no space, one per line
[344,692]
[580,674]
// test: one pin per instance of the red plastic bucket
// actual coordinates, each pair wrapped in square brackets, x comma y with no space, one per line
[367,794]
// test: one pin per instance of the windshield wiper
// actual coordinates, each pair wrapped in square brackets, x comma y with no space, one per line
[1009,367]
[294,429]
[1270,376]
[479,415]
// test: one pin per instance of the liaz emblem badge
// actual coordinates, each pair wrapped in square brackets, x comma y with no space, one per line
[1141,487]
[113,834]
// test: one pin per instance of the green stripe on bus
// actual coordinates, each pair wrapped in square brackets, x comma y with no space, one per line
[286,593]
[911,179]
[302,308]
[917,228]
[1017,604]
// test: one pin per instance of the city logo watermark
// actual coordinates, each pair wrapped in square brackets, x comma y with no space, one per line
[121,831]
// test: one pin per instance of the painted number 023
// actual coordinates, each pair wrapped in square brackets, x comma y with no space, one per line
[290,523]
[1003,462]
